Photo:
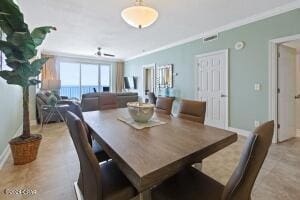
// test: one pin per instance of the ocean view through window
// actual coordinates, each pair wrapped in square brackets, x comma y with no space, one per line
[81,78]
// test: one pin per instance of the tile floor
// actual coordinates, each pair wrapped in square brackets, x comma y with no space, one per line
[56,169]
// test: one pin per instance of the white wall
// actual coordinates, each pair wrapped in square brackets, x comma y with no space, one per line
[298,91]
[10,112]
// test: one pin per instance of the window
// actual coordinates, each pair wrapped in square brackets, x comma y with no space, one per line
[70,80]
[105,78]
[89,78]
[81,78]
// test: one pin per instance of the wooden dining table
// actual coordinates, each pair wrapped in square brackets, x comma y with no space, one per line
[151,155]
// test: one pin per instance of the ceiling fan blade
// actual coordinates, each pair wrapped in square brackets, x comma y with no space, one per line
[109,55]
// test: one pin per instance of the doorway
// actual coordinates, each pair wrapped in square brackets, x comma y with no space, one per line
[284,96]
[212,86]
[148,80]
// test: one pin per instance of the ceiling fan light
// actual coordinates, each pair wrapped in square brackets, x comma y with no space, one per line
[139,16]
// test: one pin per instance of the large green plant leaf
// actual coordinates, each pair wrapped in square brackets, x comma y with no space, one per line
[20,45]
[5,26]
[38,34]
[15,63]
[13,78]
[7,47]
[34,82]
[13,17]
[12,53]
[38,63]
[24,42]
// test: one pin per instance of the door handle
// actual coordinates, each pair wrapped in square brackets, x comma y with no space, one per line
[223,95]
[297,97]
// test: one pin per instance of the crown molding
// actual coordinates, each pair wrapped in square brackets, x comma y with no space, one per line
[270,13]
[68,55]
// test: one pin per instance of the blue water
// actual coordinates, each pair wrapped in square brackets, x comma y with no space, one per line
[74,91]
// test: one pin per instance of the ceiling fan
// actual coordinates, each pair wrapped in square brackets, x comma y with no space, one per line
[99,53]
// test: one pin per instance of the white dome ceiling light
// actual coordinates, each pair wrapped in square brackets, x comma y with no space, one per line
[139,15]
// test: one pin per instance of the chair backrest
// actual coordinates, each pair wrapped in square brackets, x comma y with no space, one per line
[164,105]
[192,110]
[89,167]
[76,109]
[255,151]
[152,97]
[108,101]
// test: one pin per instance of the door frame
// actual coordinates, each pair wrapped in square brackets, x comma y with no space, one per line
[144,67]
[273,80]
[226,52]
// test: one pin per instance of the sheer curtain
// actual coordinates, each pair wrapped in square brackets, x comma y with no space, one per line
[119,76]
[49,70]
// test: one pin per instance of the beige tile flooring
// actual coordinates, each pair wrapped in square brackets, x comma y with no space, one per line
[57,167]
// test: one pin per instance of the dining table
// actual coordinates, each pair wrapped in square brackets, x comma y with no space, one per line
[149,156]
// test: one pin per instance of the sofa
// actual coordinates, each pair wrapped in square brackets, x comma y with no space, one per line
[92,101]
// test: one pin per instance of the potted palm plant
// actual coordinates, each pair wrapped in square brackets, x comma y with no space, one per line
[20,49]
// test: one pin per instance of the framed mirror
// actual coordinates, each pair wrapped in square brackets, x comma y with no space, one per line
[164,76]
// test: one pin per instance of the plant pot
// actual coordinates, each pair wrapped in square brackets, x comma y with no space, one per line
[25,150]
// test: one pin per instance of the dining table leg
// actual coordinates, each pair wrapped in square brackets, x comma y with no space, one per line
[146,195]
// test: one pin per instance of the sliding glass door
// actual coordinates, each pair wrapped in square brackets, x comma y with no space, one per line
[70,79]
[105,78]
[82,78]
[89,78]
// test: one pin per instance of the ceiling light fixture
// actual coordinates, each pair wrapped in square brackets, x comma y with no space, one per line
[139,15]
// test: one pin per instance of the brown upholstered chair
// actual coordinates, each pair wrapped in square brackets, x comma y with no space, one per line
[96,182]
[191,184]
[97,149]
[108,101]
[152,98]
[164,105]
[192,110]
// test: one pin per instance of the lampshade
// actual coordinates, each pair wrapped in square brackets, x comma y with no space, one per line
[51,84]
[139,16]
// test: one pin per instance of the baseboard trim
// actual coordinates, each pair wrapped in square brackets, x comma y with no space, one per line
[78,192]
[298,133]
[5,154]
[241,132]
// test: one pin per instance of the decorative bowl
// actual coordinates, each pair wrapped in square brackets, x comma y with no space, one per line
[140,112]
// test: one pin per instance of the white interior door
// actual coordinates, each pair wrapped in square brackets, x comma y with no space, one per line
[286,96]
[212,86]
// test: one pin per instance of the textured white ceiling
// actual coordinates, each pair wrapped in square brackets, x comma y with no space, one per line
[83,25]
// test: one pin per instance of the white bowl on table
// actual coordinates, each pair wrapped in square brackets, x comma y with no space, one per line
[140,112]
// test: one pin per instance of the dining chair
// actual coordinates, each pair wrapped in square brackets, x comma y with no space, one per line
[164,105]
[96,147]
[108,101]
[152,97]
[96,182]
[191,184]
[192,110]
